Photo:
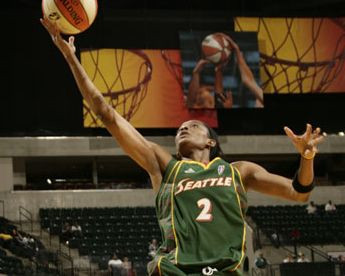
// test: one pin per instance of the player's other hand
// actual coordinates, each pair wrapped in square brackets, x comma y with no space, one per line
[306,144]
[67,48]
[233,44]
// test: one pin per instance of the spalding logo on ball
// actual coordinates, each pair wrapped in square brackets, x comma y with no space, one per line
[216,48]
[71,16]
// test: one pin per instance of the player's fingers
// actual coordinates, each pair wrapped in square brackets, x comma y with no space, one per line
[289,133]
[48,25]
[71,41]
[42,22]
[318,140]
[308,131]
[316,132]
[45,24]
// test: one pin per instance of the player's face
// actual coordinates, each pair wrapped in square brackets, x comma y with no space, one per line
[192,135]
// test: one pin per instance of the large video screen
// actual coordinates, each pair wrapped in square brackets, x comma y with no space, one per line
[219,70]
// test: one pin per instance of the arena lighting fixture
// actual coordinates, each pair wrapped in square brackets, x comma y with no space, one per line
[58,180]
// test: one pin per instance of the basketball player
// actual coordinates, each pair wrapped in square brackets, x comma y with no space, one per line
[199,94]
[201,199]
[208,96]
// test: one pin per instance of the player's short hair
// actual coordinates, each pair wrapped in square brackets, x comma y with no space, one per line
[215,151]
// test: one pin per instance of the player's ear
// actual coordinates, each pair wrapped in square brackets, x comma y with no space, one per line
[211,143]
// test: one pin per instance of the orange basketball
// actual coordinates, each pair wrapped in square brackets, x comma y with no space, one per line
[71,16]
[216,48]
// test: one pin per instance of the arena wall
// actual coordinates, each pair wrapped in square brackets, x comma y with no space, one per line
[34,200]
[14,173]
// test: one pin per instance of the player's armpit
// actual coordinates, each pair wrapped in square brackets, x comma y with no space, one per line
[162,155]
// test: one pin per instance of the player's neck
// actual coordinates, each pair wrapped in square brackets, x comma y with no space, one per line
[199,156]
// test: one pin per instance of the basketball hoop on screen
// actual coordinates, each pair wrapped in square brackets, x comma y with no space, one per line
[293,63]
[174,66]
[108,69]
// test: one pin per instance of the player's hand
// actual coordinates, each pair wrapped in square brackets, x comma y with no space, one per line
[67,48]
[226,98]
[233,44]
[306,144]
[200,65]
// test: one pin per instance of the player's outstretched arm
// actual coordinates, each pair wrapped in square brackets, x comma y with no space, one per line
[149,156]
[194,84]
[247,75]
[257,178]
[226,97]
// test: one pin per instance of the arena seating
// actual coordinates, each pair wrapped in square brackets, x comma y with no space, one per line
[33,252]
[11,265]
[124,231]
[293,224]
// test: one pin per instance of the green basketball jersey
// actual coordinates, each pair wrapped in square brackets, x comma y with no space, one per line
[201,211]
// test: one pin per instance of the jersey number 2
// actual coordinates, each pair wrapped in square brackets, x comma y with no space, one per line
[205,214]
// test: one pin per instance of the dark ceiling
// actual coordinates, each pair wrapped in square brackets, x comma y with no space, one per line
[233,7]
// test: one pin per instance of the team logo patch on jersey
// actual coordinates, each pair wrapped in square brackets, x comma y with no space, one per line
[221,169]
[189,170]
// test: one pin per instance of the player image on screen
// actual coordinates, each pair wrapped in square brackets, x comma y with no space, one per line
[214,96]
[218,75]
[208,96]
[200,197]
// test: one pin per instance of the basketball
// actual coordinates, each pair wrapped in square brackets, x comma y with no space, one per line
[216,48]
[71,16]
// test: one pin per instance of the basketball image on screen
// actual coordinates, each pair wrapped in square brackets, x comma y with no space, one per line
[220,70]
[216,48]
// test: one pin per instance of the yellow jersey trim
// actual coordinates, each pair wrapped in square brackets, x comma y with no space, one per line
[172,210]
[244,225]
[205,167]
[166,182]
[159,265]
[244,189]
